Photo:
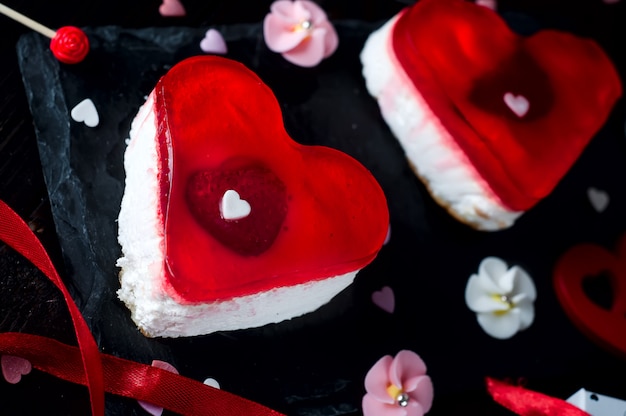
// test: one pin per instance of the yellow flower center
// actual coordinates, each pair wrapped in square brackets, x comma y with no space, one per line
[505,300]
[303,25]
[399,395]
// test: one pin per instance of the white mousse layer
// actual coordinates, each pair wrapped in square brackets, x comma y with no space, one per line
[141,236]
[437,159]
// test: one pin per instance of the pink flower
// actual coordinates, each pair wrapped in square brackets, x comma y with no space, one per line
[398,387]
[300,31]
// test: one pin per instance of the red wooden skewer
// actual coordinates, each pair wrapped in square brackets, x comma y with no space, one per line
[68,44]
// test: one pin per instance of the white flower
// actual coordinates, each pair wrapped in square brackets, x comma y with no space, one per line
[501,297]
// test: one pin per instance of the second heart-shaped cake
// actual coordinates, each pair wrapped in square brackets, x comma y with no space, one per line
[226,222]
[489,119]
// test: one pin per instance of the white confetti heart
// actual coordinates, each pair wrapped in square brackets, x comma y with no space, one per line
[212,382]
[213,42]
[233,207]
[517,103]
[599,199]
[85,112]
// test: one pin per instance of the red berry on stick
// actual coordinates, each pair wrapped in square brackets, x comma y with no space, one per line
[69,44]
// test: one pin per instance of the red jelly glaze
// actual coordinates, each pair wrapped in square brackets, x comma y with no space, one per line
[463,59]
[258,186]
[607,327]
[70,45]
[212,111]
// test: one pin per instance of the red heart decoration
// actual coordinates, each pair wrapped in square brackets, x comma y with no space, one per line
[315,212]
[464,60]
[607,327]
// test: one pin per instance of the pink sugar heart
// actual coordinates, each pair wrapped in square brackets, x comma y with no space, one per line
[172,8]
[213,42]
[385,299]
[490,4]
[13,368]
[153,409]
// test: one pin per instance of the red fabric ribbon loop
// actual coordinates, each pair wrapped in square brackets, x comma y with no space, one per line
[85,365]
[526,402]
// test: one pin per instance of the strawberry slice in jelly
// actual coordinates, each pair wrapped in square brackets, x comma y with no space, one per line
[263,194]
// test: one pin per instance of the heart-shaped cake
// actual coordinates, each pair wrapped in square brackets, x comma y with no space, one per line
[490,120]
[226,222]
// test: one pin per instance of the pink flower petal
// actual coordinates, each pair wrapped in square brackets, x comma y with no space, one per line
[414,408]
[373,407]
[285,32]
[406,365]
[331,40]
[302,11]
[376,380]
[279,36]
[309,52]
[422,392]
[290,11]
[316,14]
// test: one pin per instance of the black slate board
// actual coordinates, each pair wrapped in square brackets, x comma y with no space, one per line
[315,365]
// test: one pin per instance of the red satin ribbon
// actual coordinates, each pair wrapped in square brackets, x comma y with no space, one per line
[99,372]
[526,402]
[130,379]
[16,233]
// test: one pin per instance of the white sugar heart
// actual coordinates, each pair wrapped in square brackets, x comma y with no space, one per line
[599,199]
[213,42]
[233,207]
[13,368]
[385,299]
[85,112]
[172,8]
[517,103]
[212,382]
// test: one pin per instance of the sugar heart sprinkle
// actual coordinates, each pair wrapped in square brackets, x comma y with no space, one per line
[85,112]
[212,382]
[233,207]
[213,42]
[153,409]
[385,299]
[599,199]
[13,368]
[172,8]
[517,103]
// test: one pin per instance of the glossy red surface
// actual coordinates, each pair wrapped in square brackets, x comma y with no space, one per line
[213,111]
[463,59]
[256,185]
[70,45]
[605,326]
